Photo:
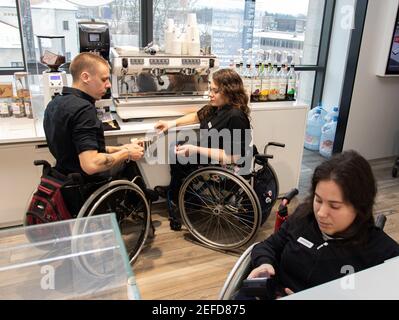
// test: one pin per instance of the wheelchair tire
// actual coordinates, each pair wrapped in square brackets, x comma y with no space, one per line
[219,208]
[131,208]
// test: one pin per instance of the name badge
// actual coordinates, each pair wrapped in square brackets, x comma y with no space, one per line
[209,125]
[305,242]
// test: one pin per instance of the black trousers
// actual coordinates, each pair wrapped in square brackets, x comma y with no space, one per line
[75,193]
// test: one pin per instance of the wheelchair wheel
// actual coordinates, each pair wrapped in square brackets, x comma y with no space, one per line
[131,208]
[219,208]
[266,187]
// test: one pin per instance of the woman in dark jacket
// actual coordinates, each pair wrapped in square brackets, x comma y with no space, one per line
[331,233]
[226,113]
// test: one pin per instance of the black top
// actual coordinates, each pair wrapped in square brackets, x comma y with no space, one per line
[71,127]
[237,135]
[303,259]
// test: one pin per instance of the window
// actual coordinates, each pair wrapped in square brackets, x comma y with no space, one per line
[10,40]
[65,25]
[291,26]
[275,24]
[122,16]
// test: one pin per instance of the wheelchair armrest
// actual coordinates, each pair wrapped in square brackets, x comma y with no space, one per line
[380,221]
[261,159]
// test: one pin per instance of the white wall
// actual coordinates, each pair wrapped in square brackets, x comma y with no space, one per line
[373,124]
[338,53]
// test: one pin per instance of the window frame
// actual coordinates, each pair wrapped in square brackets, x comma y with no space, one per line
[146,36]
[10,71]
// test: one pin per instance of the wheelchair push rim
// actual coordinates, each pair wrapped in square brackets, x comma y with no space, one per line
[123,188]
[219,208]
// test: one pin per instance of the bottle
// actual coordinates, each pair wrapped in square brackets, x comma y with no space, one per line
[291,86]
[274,84]
[313,131]
[28,107]
[283,82]
[265,80]
[5,107]
[330,115]
[256,83]
[247,80]
[327,137]
[322,112]
[18,108]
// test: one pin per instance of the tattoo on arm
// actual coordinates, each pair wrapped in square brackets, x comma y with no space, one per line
[109,160]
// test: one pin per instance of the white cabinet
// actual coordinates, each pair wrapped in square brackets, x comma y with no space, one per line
[279,121]
[273,122]
[19,178]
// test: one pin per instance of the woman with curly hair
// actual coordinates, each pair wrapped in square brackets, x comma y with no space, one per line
[224,132]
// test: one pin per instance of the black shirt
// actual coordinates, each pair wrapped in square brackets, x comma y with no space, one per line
[303,259]
[71,127]
[237,129]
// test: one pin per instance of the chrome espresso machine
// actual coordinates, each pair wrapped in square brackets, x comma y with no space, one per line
[160,85]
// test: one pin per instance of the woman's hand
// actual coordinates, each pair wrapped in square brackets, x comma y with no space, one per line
[163,126]
[264,270]
[186,150]
[288,291]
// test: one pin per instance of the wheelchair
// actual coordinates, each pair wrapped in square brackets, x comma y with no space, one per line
[122,197]
[395,168]
[223,210]
[243,267]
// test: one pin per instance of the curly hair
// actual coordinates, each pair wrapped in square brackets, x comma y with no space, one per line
[231,86]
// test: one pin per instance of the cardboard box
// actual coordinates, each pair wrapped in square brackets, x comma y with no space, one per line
[6,90]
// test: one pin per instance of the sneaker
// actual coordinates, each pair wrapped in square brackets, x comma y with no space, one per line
[151,195]
[161,191]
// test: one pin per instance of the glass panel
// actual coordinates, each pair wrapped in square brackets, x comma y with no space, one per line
[10,40]
[228,25]
[80,258]
[54,17]
[305,85]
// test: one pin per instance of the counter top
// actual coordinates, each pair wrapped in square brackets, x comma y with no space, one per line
[23,130]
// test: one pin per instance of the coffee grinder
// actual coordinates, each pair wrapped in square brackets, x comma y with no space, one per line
[52,54]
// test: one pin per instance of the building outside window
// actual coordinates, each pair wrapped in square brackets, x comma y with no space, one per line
[290,25]
[10,41]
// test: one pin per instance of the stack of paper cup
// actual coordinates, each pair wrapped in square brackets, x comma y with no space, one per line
[193,35]
[169,36]
[184,43]
[177,44]
[192,20]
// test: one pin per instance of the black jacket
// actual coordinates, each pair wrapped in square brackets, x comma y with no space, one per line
[311,261]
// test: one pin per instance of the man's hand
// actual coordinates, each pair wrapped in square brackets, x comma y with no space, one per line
[135,150]
[264,270]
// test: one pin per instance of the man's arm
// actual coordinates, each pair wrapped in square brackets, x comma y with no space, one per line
[93,162]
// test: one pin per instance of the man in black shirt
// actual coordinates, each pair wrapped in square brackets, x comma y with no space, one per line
[75,135]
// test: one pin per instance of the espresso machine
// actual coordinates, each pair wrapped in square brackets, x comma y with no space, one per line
[94,37]
[159,85]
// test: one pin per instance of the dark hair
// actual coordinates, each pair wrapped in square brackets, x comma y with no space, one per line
[85,61]
[231,86]
[353,174]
